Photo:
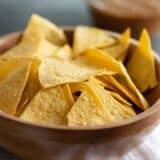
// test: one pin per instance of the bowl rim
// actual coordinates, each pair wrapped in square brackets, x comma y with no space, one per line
[147,113]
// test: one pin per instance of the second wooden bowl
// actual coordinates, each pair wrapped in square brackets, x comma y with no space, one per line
[118,22]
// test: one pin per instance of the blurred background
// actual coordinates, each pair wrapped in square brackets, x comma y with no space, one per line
[14,15]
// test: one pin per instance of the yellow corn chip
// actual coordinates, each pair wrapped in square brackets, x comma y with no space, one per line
[118,110]
[10,64]
[97,57]
[88,37]
[55,72]
[49,106]
[23,102]
[96,106]
[32,87]
[108,86]
[119,49]
[88,110]
[141,65]
[68,94]
[126,92]
[40,48]
[126,81]
[11,88]
[119,98]
[41,28]
[125,36]
[107,61]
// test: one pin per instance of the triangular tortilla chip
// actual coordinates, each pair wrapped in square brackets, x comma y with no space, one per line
[125,36]
[88,37]
[10,64]
[32,87]
[53,72]
[96,106]
[120,88]
[125,80]
[40,48]
[98,57]
[23,102]
[41,28]
[120,48]
[88,110]
[11,88]
[49,106]
[118,110]
[125,91]
[141,65]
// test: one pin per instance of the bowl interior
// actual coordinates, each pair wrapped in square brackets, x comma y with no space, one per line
[152,95]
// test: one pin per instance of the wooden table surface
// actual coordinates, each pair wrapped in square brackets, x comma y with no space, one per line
[14,15]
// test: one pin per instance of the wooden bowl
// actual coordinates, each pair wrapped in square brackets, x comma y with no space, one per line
[34,141]
[105,19]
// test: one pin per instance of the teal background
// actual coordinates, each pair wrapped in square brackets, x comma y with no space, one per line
[15,13]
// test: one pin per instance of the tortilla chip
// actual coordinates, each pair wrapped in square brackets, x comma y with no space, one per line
[49,106]
[124,90]
[88,37]
[120,48]
[23,102]
[118,87]
[118,110]
[98,58]
[55,72]
[88,110]
[68,94]
[119,98]
[64,53]
[40,48]
[32,86]
[108,86]
[125,80]
[10,64]
[141,65]
[41,28]
[11,88]
[96,106]
[125,36]
[31,89]
[111,64]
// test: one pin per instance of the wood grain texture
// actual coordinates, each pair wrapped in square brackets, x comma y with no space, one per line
[32,141]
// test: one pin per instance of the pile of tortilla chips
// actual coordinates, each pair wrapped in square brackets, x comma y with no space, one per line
[96,81]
